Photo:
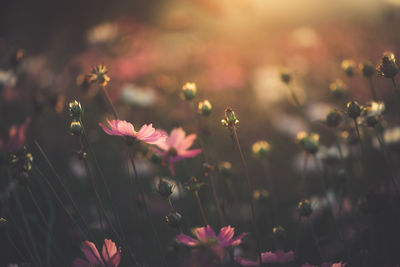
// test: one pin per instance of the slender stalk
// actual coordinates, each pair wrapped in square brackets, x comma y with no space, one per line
[249,190]
[140,187]
[297,242]
[316,240]
[110,101]
[303,177]
[273,193]
[372,87]
[294,96]
[203,215]
[359,136]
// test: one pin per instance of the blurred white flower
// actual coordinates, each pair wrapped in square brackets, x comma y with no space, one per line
[391,137]
[304,37]
[268,86]
[138,96]
[7,78]
[317,111]
[289,124]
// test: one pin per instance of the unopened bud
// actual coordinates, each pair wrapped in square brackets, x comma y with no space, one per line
[205,108]
[348,67]
[279,232]
[189,91]
[367,69]
[388,67]
[261,195]
[174,219]
[308,142]
[261,149]
[165,188]
[225,168]
[75,109]
[304,208]
[333,119]
[286,76]
[338,88]
[230,119]
[354,109]
[76,128]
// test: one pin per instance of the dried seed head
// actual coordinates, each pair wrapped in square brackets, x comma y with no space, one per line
[99,75]
[367,69]
[189,91]
[387,67]
[348,67]
[165,188]
[308,142]
[230,119]
[354,109]
[76,128]
[261,149]
[205,108]
[333,119]
[304,208]
[75,109]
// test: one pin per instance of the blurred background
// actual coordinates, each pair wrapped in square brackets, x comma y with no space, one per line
[234,50]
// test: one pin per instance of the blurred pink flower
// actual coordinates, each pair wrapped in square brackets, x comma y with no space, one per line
[16,137]
[110,254]
[176,147]
[278,256]
[206,235]
[146,133]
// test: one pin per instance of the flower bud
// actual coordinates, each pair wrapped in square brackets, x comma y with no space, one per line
[367,69]
[261,149]
[387,67]
[354,109]
[333,119]
[194,184]
[164,188]
[205,108]
[76,128]
[99,75]
[372,113]
[308,142]
[338,88]
[230,119]
[286,76]
[279,232]
[75,109]
[304,208]
[189,91]
[261,195]
[348,67]
[225,168]
[174,219]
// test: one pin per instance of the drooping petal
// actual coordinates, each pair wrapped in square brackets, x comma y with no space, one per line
[187,240]
[204,233]
[225,235]
[246,262]
[109,250]
[80,263]
[91,253]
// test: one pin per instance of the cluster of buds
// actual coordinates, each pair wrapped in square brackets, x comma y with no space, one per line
[348,67]
[354,109]
[205,108]
[99,75]
[76,112]
[261,149]
[338,88]
[388,67]
[367,69]
[189,91]
[333,119]
[21,163]
[230,119]
[304,208]
[308,142]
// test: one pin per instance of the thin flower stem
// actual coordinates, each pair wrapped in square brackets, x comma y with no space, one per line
[140,187]
[303,177]
[273,193]
[249,190]
[359,136]
[372,87]
[110,101]
[316,240]
[339,147]
[203,215]
[209,174]
[294,96]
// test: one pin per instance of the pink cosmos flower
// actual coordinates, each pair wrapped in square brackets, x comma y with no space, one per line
[176,147]
[16,137]
[110,254]
[146,133]
[278,256]
[206,236]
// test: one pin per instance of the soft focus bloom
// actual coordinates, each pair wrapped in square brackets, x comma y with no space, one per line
[206,236]
[278,256]
[261,149]
[308,142]
[110,254]
[146,133]
[176,147]
[372,113]
[16,137]
[99,74]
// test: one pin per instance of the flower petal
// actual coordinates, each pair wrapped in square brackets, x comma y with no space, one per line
[187,240]
[238,240]
[80,263]
[225,235]
[277,257]
[91,253]
[109,250]
[246,262]
[176,136]
[204,233]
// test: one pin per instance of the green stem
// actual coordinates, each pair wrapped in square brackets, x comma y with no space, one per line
[110,102]
[203,214]
[372,87]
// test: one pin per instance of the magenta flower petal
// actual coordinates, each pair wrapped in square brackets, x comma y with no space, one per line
[187,240]
[190,153]
[91,253]
[246,262]
[238,240]
[225,234]
[204,233]
[118,128]
[186,142]
[110,253]
[175,137]
[80,263]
